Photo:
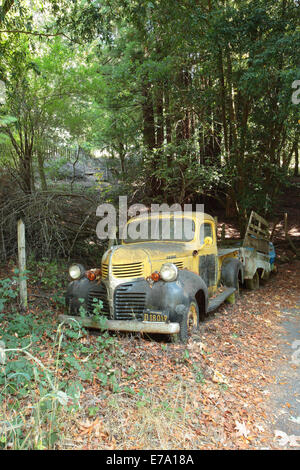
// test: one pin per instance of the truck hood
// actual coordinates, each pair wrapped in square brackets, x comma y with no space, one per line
[140,252]
[146,252]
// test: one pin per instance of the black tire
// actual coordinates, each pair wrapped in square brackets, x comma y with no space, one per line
[252,284]
[237,282]
[189,323]
[230,272]
[263,281]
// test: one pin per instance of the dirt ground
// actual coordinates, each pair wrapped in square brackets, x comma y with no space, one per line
[285,393]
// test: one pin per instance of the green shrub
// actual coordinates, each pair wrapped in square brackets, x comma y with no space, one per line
[47,274]
[36,372]
[8,290]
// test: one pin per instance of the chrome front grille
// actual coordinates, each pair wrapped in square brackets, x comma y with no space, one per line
[98,292]
[128,270]
[129,305]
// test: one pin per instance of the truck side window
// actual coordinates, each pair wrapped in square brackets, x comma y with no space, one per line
[205,231]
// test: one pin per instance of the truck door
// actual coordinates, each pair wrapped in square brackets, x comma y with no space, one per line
[208,268]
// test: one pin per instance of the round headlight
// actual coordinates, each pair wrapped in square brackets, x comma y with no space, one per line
[76,271]
[169,272]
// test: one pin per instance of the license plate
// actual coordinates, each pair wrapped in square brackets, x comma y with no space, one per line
[158,317]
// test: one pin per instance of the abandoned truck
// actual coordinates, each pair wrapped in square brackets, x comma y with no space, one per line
[167,286]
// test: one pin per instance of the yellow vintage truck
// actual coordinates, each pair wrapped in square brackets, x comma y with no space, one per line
[167,286]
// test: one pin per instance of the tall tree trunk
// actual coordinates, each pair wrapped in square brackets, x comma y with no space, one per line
[232,115]
[148,116]
[180,112]
[223,100]
[149,132]
[168,116]
[187,117]
[122,157]
[296,169]
[41,170]
[7,4]
[159,117]
[26,172]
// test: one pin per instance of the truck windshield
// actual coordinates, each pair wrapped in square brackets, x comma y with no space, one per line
[180,229]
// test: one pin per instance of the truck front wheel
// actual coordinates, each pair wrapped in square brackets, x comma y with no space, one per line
[189,323]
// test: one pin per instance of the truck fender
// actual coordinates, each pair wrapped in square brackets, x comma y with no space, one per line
[76,290]
[195,289]
[231,271]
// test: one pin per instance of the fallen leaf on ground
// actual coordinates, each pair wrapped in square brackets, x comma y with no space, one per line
[242,429]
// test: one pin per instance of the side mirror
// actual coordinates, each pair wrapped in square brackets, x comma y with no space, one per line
[208,241]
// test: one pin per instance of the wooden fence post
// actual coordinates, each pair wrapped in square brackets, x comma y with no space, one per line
[22,264]
[286,232]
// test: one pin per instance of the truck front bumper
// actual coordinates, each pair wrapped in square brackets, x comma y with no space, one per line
[124,325]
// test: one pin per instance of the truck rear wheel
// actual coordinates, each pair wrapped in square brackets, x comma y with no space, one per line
[252,284]
[237,282]
[232,273]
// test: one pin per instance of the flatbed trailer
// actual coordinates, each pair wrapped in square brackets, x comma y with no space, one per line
[255,251]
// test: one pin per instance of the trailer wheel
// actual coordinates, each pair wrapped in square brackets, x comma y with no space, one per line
[264,280]
[188,324]
[253,284]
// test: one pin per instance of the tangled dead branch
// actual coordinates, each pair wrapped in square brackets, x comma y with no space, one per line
[58,224]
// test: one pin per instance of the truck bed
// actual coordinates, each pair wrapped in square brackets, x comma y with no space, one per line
[227,251]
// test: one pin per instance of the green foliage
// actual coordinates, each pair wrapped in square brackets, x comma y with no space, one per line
[226,123]
[176,169]
[203,113]
[49,378]
[53,168]
[7,291]
[5,120]
[97,307]
[47,274]
[198,373]
[24,375]
[93,411]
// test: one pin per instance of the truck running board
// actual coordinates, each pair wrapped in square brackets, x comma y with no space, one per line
[214,303]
